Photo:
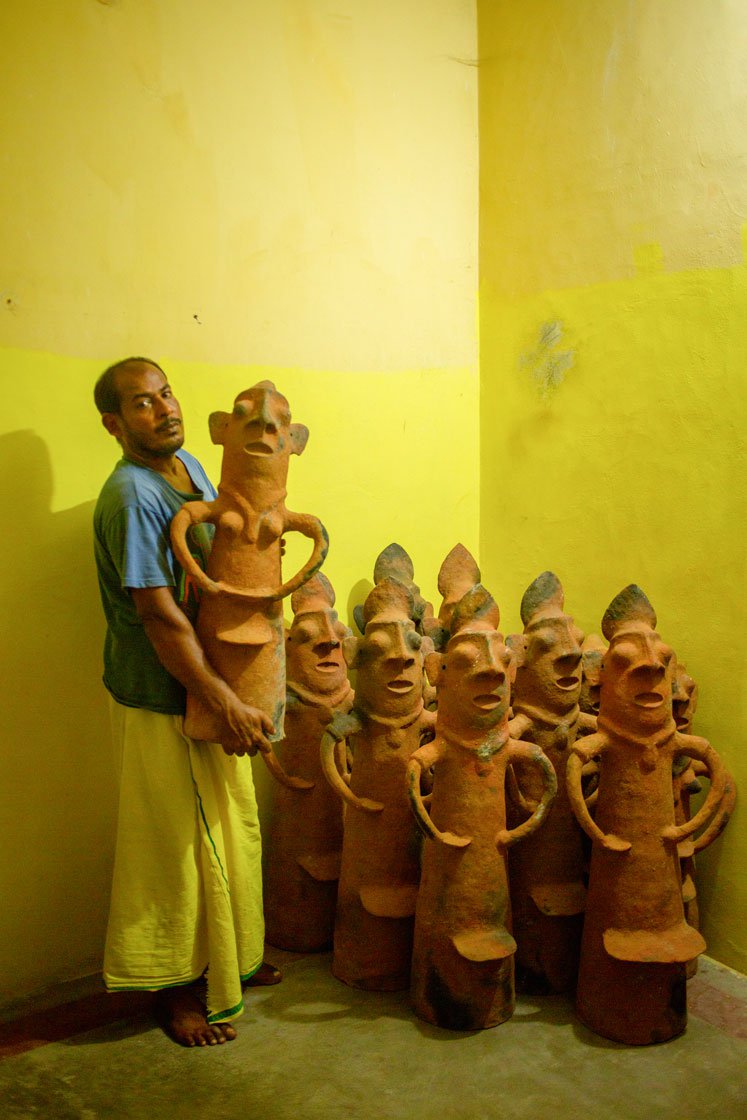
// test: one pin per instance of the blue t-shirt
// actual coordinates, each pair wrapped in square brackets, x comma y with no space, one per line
[133,549]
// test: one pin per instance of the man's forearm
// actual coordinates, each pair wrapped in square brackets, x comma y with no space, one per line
[181,654]
[179,650]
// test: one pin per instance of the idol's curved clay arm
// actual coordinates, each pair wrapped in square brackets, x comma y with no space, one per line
[308,526]
[193,513]
[528,752]
[329,753]
[721,818]
[427,726]
[696,747]
[587,723]
[421,761]
[273,764]
[519,725]
[589,771]
[582,753]
[514,792]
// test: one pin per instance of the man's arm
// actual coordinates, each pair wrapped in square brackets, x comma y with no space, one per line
[172,636]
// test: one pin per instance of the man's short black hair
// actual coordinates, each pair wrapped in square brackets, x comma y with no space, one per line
[106,392]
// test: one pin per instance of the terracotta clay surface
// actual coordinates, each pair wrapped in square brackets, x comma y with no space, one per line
[593,649]
[240,620]
[380,856]
[687,778]
[547,872]
[457,575]
[302,844]
[393,562]
[462,969]
[636,942]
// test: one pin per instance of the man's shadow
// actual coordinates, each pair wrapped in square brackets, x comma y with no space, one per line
[57,794]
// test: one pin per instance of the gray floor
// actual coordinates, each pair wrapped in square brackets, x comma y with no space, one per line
[311,1048]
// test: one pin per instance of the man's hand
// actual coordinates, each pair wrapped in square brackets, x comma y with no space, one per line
[180,653]
[247,728]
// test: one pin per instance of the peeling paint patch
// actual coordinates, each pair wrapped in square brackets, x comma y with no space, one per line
[548,363]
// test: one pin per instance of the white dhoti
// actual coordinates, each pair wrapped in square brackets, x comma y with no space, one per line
[187,889]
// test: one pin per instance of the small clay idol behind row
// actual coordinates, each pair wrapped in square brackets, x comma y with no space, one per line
[380,856]
[547,872]
[463,959]
[636,942]
[687,774]
[302,842]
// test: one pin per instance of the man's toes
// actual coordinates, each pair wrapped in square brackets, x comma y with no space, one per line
[266,974]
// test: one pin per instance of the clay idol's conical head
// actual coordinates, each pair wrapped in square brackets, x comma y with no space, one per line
[388,659]
[549,679]
[474,672]
[394,563]
[630,608]
[593,650]
[457,575]
[313,645]
[638,668]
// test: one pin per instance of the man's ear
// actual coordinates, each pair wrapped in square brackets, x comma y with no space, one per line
[299,435]
[110,420]
[217,424]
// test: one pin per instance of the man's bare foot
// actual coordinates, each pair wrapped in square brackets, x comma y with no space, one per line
[265,974]
[181,1014]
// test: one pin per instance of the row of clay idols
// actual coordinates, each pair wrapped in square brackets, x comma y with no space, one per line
[496,760]
[464,947]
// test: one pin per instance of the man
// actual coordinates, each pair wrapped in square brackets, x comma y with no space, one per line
[186,910]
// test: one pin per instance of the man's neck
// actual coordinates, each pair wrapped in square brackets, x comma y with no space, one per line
[170,467]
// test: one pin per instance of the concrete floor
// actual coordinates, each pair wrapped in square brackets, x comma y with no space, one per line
[313,1049]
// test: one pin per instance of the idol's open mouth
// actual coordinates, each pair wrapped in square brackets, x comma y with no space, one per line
[487,701]
[258,448]
[328,666]
[649,699]
[567,683]
[400,685]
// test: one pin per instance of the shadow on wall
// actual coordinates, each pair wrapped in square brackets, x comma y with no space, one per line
[57,798]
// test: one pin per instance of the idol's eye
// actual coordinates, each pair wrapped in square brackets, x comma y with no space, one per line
[304,632]
[378,642]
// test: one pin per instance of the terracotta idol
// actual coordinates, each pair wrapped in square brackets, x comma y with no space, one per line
[547,872]
[240,620]
[393,562]
[302,843]
[380,855]
[686,779]
[457,575]
[636,942]
[462,969]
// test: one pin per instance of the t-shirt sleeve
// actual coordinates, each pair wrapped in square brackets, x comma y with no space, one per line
[140,548]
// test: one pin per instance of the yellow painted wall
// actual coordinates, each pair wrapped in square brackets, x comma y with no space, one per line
[238,190]
[614,340]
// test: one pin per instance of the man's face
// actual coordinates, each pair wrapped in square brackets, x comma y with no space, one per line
[149,422]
